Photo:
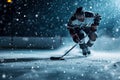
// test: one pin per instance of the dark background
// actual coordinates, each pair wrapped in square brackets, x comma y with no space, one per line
[45,18]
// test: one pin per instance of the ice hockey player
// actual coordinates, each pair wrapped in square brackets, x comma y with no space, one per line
[81,24]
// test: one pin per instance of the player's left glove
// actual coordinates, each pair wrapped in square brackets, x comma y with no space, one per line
[97,19]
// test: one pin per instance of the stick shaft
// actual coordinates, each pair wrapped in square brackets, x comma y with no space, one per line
[69,50]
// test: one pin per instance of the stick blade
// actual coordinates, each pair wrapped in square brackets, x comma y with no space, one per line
[56,58]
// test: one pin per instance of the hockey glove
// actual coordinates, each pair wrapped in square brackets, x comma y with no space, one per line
[75,38]
[97,19]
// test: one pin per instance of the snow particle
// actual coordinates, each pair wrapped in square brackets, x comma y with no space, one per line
[46,71]
[4,6]
[96,72]
[57,17]
[67,8]
[63,43]
[76,3]
[106,67]
[30,44]
[36,33]
[9,24]
[36,15]
[82,74]
[1,22]
[117,30]
[48,3]
[119,77]
[17,19]
[25,4]
[51,37]
[18,12]
[101,69]
[73,68]
[24,15]
[3,76]
[38,66]
[32,67]
[10,77]
[68,78]
[113,39]
[65,24]
[90,7]
[16,32]
[10,44]
[75,78]
[64,71]
[53,41]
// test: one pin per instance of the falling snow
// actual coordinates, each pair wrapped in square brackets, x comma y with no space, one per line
[45,18]
[35,14]
[3,76]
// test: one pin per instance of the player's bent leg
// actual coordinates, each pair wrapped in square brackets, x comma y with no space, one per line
[92,39]
[85,49]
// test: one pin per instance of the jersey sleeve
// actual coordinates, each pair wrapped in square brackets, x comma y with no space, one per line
[70,21]
[70,26]
[96,17]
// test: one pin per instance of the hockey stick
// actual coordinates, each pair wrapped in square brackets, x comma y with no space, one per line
[61,58]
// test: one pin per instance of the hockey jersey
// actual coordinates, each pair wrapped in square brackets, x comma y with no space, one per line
[74,22]
[89,19]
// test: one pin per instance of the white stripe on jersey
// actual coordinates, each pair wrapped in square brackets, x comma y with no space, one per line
[87,22]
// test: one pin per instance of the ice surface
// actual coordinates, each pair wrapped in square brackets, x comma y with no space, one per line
[36,65]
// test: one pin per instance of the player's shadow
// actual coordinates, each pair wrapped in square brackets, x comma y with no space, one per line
[34,59]
[21,60]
